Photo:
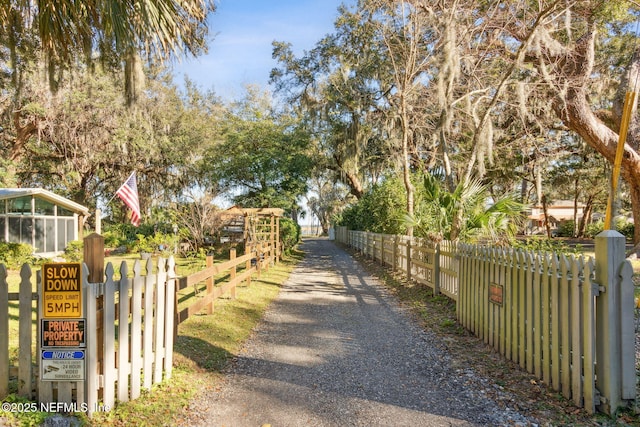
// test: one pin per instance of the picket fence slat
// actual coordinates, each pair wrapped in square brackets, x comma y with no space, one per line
[136,326]
[576,336]
[588,327]
[91,292]
[123,334]
[4,332]
[160,320]
[546,330]
[522,319]
[169,319]
[628,332]
[565,331]
[555,350]
[148,332]
[109,373]
[25,331]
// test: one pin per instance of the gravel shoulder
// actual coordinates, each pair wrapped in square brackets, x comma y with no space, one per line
[336,349]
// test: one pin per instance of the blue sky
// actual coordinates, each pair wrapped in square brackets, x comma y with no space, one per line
[242,30]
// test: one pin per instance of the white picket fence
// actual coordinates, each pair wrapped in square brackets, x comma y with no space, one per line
[134,351]
[540,313]
[138,337]
[569,321]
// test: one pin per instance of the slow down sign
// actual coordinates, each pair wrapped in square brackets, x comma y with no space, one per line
[62,290]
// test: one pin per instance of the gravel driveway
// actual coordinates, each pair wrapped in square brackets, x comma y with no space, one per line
[335,349]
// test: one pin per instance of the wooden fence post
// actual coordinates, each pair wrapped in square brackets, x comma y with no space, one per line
[258,249]
[247,266]
[232,273]
[409,259]
[436,270]
[4,333]
[394,256]
[611,353]
[93,251]
[210,283]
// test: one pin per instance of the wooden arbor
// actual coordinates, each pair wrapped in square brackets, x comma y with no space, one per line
[259,226]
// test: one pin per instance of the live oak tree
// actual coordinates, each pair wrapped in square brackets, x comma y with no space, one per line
[336,88]
[570,58]
[89,141]
[563,47]
[261,158]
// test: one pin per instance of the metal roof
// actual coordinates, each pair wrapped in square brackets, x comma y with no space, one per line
[13,193]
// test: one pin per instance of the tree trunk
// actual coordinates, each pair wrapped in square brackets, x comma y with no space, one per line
[574,110]
[23,133]
[586,217]
[547,224]
[635,209]
[351,178]
[406,171]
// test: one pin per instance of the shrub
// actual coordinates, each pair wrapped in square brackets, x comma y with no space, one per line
[74,252]
[622,226]
[289,233]
[113,240]
[380,210]
[158,242]
[13,255]
[626,228]
[544,244]
[594,229]
[565,228]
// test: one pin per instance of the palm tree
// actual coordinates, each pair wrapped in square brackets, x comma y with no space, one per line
[465,214]
[116,29]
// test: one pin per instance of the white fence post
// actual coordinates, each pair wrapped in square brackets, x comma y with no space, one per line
[92,383]
[611,311]
[4,333]
[25,367]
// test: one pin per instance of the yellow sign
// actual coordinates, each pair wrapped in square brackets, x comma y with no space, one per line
[61,291]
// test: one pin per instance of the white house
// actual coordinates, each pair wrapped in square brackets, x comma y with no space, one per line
[40,218]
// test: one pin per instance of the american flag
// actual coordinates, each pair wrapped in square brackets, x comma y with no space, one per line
[128,192]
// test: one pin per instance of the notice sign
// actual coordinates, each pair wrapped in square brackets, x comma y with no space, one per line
[63,333]
[62,365]
[496,293]
[61,291]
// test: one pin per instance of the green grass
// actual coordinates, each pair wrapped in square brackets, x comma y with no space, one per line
[204,345]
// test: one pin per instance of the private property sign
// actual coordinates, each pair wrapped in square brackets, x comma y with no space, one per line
[63,333]
[62,290]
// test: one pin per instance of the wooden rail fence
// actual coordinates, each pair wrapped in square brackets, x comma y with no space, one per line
[251,263]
